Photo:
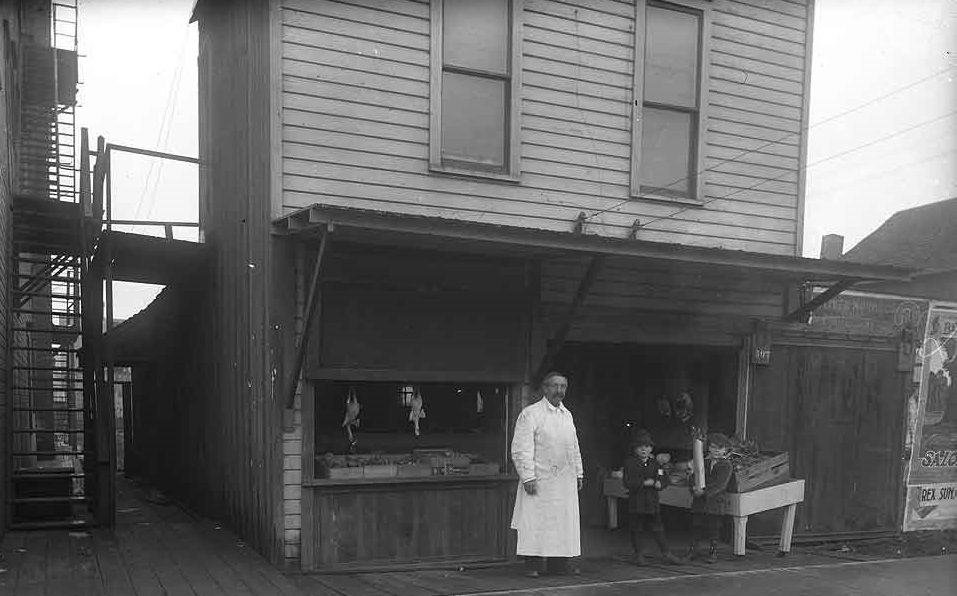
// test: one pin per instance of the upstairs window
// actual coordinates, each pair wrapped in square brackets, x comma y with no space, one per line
[670,101]
[474,87]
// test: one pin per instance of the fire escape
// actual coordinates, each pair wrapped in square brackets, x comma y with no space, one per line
[51,421]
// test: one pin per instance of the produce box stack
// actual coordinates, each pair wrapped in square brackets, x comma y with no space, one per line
[754,469]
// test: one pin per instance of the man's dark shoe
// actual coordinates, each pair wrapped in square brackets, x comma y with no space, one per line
[639,559]
[533,573]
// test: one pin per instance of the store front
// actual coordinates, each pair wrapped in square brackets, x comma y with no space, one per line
[430,334]
[413,380]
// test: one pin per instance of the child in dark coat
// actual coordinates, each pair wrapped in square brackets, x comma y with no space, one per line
[644,477]
[718,473]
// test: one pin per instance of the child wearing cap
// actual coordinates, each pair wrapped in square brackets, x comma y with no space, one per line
[718,473]
[644,477]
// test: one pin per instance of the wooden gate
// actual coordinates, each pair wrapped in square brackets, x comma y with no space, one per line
[840,410]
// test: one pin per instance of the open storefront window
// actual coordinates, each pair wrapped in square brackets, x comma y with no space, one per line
[405,428]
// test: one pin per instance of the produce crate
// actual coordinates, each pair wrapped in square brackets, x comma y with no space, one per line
[344,473]
[413,470]
[483,469]
[379,470]
[773,469]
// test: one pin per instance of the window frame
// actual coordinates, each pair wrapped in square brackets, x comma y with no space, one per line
[512,163]
[699,145]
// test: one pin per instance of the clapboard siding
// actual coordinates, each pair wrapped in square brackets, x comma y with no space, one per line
[355,120]
[383,169]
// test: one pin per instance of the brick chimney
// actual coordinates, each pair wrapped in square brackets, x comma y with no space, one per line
[832,247]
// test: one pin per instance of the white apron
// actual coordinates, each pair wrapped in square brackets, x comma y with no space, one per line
[545,448]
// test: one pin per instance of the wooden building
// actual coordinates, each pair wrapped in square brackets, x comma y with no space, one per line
[923,238]
[437,200]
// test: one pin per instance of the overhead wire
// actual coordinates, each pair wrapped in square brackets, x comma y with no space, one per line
[151,202]
[758,149]
[165,122]
[810,165]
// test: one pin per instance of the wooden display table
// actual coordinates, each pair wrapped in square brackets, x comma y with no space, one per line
[738,505]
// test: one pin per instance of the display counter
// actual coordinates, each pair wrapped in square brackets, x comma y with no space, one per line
[396,521]
[738,505]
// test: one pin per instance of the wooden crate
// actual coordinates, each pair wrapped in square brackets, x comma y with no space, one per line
[413,470]
[483,469]
[379,470]
[344,473]
[773,469]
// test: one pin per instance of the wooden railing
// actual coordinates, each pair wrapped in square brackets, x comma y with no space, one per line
[96,192]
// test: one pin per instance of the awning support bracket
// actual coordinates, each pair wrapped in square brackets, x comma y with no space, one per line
[311,302]
[801,313]
[591,274]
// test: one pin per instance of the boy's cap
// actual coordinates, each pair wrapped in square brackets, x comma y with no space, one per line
[719,440]
[641,438]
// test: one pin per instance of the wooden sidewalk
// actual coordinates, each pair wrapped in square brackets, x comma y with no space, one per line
[159,550]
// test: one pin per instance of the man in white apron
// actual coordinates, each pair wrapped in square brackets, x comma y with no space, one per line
[549,465]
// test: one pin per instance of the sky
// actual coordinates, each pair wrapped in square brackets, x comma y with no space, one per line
[883,128]
[138,87]
[883,134]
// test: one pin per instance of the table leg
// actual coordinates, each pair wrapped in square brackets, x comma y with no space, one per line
[612,512]
[787,529]
[740,534]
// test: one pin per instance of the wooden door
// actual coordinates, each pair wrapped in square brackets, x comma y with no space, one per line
[840,411]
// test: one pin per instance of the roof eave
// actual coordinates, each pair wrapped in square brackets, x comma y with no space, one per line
[318,216]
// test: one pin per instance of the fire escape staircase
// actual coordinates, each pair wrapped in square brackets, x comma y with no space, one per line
[50,422]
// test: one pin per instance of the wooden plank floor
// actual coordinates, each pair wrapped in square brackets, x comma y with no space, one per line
[160,550]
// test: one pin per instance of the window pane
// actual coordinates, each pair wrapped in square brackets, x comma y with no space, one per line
[473,119]
[671,57]
[666,151]
[475,34]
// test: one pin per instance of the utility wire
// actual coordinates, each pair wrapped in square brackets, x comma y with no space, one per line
[173,87]
[810,165]
[845,182]
[785,137]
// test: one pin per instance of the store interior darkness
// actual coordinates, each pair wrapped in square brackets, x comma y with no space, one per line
[615,389]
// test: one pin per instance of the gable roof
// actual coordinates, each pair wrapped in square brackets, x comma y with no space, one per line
[923,237]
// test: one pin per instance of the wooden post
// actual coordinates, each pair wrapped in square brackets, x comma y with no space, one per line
[308,559]
[86,207]
[110,406]
[99,174]
[787,529]
[745,369]
[740,534]
[104,410]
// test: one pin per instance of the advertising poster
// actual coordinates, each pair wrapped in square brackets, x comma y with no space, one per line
[931,501]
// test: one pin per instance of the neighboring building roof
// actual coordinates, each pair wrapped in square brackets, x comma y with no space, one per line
[923,238]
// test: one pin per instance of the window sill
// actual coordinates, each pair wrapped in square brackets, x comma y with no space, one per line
[392,481]
[667,199]
[455,172]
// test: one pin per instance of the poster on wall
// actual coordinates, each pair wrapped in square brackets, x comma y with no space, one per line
[931,501]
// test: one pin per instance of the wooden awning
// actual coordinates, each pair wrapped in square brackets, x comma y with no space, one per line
[380,227]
